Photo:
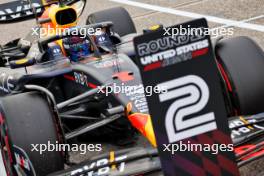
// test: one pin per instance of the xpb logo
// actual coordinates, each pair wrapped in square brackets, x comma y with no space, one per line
[191,95]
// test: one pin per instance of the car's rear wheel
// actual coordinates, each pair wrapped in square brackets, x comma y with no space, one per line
[25,120]
[242,65]
[123,23]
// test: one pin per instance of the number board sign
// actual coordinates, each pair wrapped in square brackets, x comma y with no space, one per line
[188,114]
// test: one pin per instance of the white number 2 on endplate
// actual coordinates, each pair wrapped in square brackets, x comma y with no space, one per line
[192,94]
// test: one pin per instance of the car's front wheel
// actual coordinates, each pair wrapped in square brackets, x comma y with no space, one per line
[27,120]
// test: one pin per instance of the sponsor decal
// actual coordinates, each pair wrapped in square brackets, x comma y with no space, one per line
[80,78]
[109,63]
[21,8]
[137,96]
[23,162]
[192,109]
[15,10]
[104,170]
[240,129]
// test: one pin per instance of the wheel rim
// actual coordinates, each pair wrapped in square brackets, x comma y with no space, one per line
[5,152]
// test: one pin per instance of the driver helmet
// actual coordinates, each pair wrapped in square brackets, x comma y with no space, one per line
[76,48]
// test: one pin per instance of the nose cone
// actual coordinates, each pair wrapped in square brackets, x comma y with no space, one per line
[142,122]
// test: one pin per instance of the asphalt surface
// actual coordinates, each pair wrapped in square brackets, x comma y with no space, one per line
[146,13]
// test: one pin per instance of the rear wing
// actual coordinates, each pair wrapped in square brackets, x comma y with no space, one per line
[20,10]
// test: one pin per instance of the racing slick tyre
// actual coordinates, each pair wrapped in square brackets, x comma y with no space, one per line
[123,23]
[26,119]
[242,62]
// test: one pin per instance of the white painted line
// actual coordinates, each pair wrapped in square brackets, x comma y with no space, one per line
[214,19]
[243,21]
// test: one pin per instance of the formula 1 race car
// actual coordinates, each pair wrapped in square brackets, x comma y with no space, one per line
[66,75]
[55,88]
[53,52]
